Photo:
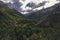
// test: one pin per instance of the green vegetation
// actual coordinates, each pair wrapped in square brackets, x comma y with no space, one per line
[14,27]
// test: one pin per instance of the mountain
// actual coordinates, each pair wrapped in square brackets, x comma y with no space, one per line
[28,6]
[44,12]
[15,5]
[9,9]
[13,26]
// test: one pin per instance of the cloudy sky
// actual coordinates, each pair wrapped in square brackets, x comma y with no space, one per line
[32,5]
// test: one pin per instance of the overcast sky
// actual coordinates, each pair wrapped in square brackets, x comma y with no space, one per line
[25,2]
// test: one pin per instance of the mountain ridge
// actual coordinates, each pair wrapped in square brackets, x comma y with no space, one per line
[9,9]
[44,11]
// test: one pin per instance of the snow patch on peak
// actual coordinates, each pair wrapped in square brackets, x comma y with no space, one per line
[28,6]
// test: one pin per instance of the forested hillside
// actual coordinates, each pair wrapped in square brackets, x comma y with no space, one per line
[14,27]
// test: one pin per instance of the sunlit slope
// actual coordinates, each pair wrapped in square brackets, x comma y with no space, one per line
[7,8]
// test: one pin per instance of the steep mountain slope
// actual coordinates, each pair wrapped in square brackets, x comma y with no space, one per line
[14,27]
[44,12]
[9,9]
